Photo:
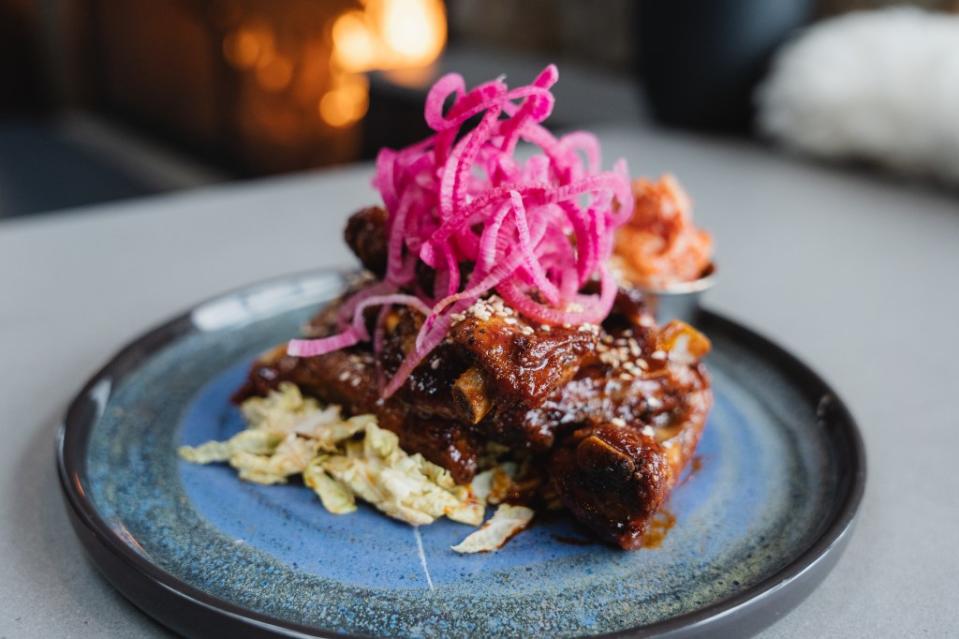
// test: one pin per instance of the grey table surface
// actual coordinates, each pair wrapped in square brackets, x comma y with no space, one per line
[856,273]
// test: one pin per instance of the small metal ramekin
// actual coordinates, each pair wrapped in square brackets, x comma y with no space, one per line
[680,301]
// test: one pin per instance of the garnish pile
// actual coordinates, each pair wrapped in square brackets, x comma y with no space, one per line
[528,375]
[535,231]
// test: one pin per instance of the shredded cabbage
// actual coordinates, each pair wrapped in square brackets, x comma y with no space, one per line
[342,459]
[336,498]
[255,442]
[506,522]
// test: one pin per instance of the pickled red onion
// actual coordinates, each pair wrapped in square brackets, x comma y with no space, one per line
[535,231]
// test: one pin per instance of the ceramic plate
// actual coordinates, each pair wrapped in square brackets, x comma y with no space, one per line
[780,473]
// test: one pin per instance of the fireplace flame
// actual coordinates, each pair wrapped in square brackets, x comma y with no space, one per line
[322,77]
[345,102]
[390,34]
[385,35]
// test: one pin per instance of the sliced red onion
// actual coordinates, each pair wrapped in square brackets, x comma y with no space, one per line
[535,230]
[323,345]
[359,325]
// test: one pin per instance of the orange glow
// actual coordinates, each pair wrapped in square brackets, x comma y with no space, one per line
[355,46]
[412,78]
[347,103]
[414,31]
[248,46]
[385,35]
[321,76]
[276,74]
[390,34]
[242,49]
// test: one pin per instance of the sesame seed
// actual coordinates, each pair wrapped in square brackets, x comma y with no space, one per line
[618,421]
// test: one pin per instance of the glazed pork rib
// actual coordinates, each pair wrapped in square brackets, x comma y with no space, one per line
[348,378]
[492,360]
[492,363]
[640,413]
[613,413]
[365,234]
[616,436]
[497,361]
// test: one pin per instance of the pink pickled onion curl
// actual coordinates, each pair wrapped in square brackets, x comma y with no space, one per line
[536,231]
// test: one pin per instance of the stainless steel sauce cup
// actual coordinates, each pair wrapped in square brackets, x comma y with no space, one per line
[681,300]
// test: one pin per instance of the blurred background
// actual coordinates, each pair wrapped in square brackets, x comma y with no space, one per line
[108,99]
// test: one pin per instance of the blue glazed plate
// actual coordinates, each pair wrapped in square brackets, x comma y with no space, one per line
[780,474]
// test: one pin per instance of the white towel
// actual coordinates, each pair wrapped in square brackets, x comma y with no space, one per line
[881,86]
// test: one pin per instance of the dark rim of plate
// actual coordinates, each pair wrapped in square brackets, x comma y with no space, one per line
[750,610]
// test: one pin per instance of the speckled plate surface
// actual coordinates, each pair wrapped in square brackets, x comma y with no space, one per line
[758,525]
